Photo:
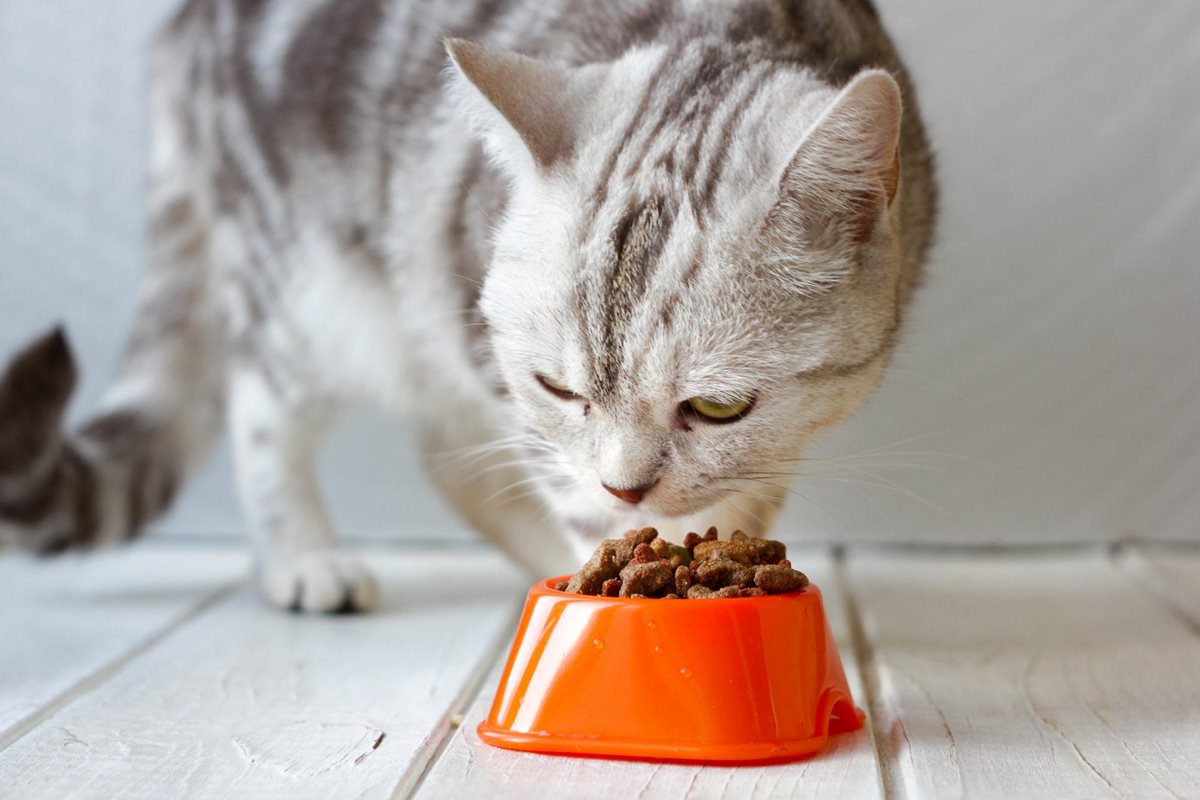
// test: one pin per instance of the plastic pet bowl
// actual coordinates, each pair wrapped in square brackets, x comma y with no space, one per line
[741,680]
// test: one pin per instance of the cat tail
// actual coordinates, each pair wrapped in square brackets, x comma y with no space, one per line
[102,483]
[155,423]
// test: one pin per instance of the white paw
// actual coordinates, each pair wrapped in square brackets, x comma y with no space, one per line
[320,581]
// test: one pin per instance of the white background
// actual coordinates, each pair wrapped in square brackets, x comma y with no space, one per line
[1047,389]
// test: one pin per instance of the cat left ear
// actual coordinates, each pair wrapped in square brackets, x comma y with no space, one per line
[847,169]
[524,108]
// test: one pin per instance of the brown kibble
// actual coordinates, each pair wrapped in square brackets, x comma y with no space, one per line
[768,551]
[640,564]
[629,542]
[648,578]
[644,554]
[743,549]
[699,592]
[718,573]
[741,552]
[777,579]
[691,540]
[739,591]
[641,535]
[684,580]
[603,565]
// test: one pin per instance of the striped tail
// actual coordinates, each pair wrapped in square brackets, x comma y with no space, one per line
[157,421]
[95,487]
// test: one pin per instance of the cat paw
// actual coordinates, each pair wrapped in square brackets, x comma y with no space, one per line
[323,581]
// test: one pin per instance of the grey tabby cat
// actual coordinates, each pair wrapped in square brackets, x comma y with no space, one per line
[622,258]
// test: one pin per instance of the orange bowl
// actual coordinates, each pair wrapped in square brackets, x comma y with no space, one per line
[736,680]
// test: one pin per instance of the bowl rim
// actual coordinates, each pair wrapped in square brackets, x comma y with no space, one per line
[547,586]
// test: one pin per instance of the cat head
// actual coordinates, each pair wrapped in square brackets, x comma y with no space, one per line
[697,267]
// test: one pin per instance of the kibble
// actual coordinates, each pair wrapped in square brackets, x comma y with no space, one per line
[641,565]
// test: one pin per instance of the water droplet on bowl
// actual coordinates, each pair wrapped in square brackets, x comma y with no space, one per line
[651,625]
[685,672]
[598,644]
[658,648]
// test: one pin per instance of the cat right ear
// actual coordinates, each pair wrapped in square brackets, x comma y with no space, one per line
[527,111]
[846,171]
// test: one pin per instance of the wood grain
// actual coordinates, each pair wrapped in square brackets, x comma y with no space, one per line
[252,702]
[66,622]
[1038,676]
[470,768]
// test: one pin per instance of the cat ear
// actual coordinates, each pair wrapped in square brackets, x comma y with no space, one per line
[523,108]
[847,169]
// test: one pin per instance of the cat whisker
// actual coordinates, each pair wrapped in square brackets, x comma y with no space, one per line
[516,484]
[854,485]
[526,464]
[957,393]
[728,499]
[478,454]
[467,455]
[881,482]
[768,496]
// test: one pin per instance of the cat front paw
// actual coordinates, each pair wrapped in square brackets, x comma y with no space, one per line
[322,581]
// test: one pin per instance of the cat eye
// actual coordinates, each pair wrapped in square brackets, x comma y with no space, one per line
[556,389]
[716,411]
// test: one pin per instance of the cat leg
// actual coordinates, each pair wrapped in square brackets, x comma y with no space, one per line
[298,562]
[494,496]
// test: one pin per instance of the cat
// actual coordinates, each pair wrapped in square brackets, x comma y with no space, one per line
[619,262]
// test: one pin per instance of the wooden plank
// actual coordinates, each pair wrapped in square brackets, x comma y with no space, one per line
[1032,676]
[1172,574]
[67,622]
[847,768]
[248,701]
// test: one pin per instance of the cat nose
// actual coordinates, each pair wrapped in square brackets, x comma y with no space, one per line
[633,495]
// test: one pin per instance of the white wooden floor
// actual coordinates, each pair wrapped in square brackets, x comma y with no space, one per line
[155,672]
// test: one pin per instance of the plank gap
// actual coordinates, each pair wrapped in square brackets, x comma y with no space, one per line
[1133,562]
[439,738]
[864,656]
[106,672]
[251,701]
[1046,675]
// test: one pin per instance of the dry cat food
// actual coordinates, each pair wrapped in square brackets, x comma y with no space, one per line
[642,565]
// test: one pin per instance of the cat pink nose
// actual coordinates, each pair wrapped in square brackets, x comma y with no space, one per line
[633,495]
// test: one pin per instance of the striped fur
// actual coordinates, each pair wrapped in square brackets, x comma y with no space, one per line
[653,200]
[92,488]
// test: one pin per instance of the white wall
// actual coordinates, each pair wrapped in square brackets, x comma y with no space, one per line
[1046,390]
